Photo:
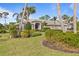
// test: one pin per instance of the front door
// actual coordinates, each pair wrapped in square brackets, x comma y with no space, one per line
[37,26]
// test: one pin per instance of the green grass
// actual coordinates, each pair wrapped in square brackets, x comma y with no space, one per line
[27,47]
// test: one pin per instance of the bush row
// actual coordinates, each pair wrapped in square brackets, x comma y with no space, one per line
[69,38]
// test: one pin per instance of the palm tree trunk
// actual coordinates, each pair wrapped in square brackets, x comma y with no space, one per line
[54,25]
[59,16]
[21,23]
[74,19]
[27,13]
[5,23]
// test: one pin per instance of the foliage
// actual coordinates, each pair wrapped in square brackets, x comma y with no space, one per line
[0,36]
[18,16]
[69,38]
[13,30]
[65,17]
[4,15]
[25,33]
[28,26]
[71,18]
[54,18]
[30,9]
[44,23]
[2,28]
[36,34]
[0,15]
[45,17]
[27,30]
[2,31]
[27,47]
[45,28]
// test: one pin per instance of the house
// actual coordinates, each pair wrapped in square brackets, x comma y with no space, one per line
[37,24]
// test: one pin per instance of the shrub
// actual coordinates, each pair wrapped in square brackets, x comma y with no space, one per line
[32,31]
[2,31]
[44,29]
[28,26]
[0,36]
[53,35]
[72,39]
[13,30]
[57,36]
[25,33]
[2,28]
[36,34]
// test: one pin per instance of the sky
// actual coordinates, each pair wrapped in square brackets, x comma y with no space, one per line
[41,9]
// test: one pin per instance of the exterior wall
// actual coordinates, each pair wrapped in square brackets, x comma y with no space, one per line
[39,27]
[50,24]
[54,27]
[58,27]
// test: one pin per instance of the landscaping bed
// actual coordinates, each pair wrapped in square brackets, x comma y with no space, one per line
[60,47]
[66,42]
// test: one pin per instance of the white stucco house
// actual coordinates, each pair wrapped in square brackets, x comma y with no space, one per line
[37,24]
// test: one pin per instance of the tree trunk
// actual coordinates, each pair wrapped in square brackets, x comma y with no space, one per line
[74,19]
[21,27]
[54,25]
[27,13]
[59,16]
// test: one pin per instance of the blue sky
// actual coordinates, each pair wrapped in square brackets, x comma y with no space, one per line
[41,9]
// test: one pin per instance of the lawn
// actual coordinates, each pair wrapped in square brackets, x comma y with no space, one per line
[27,47]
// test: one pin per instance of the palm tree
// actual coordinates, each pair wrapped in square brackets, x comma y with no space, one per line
[54,18]
[27,11]
[18,16]
[74,19]
[0,15]
[45,17]
[5,14]
[59,16]
[65,17]
[24,12]
[71,18]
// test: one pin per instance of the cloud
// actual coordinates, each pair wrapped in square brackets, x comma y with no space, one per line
[10,18]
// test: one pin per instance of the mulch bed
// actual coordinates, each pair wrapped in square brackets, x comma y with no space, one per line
[60,47]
